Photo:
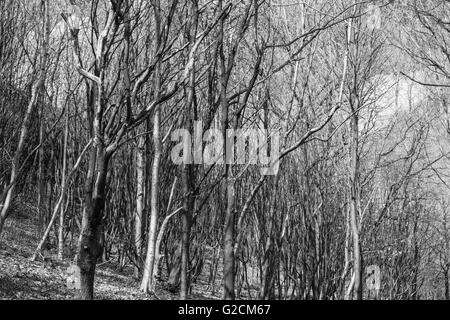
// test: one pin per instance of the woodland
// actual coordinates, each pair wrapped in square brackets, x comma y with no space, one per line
[92,205]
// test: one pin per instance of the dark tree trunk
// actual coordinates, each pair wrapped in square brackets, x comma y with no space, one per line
[90,245]
[228,270]
[175,267]
[447,285]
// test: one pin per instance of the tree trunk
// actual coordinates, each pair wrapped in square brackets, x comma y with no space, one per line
[140,199]
[228,260]
[90,246]
[188,207]
[175,264]
[147,284]
[355,201]
[447,284]
[63,182]
[41,186]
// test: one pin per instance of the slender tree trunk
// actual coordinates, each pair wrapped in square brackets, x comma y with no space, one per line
[147,284]
[228,258]
[415,285]
[140,198]
[156,271]
[355,203]
[188,170]
[41,186]
[175,264]
[355,285]
[63,182]
[447,284]
[188,207]
[268,269]
[229,263]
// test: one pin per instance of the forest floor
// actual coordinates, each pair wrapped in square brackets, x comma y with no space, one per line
[22,279]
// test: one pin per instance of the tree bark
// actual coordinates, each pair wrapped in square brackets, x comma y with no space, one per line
[90,246]
[188,207]
[355,202]
[140,198]
[229,263]
[63,182]
[147,284]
